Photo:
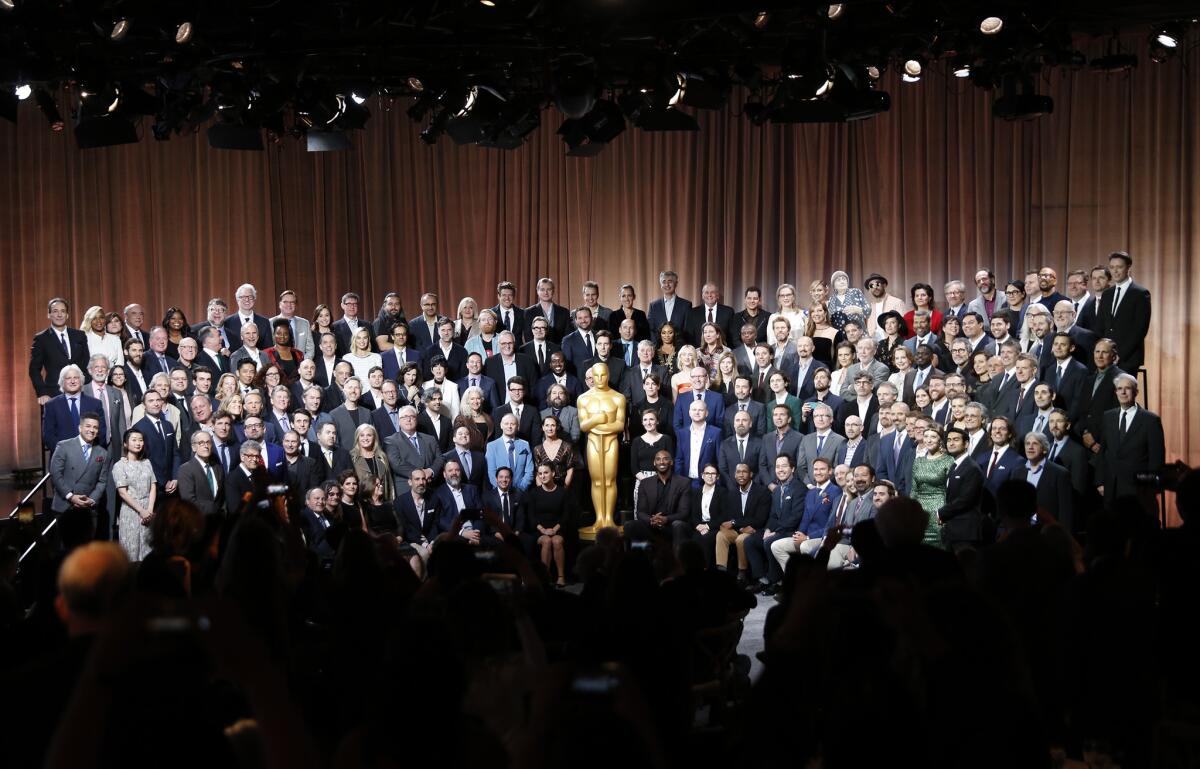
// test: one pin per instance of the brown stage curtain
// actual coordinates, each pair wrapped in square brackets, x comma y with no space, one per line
[932,190]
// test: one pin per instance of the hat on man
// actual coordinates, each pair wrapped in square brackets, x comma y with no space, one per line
[874,276]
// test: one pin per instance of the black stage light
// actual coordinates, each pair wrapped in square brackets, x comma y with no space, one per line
[589,134]
[231,136]
[8,105]
[1018,101]
[326,141]
[49,109]
[104,131]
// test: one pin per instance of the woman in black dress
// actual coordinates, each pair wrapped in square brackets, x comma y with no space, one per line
[645,446]
[655,402]
[348,504]
[555,451]
[551,510]
[626,310]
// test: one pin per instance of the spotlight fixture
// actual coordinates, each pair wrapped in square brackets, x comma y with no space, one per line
[1114,59]
[1019,101]
[962,70]
[415,84]
[873,72]
[835,11]
[49,109]
[761,20]
[183,33]
[488,3]
[588,135]
[23,91]
[7,5]
[1158,52]
[912,70]
[120,29]
[1169,35]
[991,25]
[703,91]
[357,99]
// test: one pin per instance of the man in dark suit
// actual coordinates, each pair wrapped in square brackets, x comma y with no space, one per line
[331,459]
[386,418]
[1038,421]
[669,308]
[273,464]
[1082,339]
[419,515]
[714,403]
[580,345]
[1124,313]
[112,401]
[160,443]
[1017,401]
[748,505]
[1068,376]
[476,378]
[1051,480]
[857,450]
[473,462]
[782,441]
[78,474]
[217,311]
[1131,448]
[225,443]
[823,394]
[787,512]
[896,452]
[742,447]
[557,374]
[1065,451]
[345,327]
[663,506]
[537,347]
[1097,394]
[509,504]
[999,463]
[743,402]
[246,296]
[303,472]
[509,316]
[509,363]
[961,517]
[422,330]
[432,421]
[201,478]
[246,483]
[697,445]
[865,405]
[54,348]
[61,418]
[453,497]
[752,313]
[315,524]
[558,318]
[401,353]
[604,354]
[452,353]
[409,452]
[1089,311]
[710,310]
[529,427]
[210,353]
[635,376]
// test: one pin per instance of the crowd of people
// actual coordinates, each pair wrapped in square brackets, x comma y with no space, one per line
[941,441]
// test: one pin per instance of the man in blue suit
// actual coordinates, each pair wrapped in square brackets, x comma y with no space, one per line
[400,354]
[61,419]
[512,452]
[160,442]
[669,308]
[787,510]
[819,503]
[697,445]
[713,401]
[476,378]
[999,463]
[896,452]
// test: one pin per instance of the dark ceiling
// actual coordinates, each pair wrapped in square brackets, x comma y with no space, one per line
[294,67]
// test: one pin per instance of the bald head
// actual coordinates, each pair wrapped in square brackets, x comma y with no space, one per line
[91,583]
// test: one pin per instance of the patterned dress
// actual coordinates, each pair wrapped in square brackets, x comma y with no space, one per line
[853,298]
[136,478]
[929,488]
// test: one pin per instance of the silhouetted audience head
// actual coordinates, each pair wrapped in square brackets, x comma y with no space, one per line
[92,583]
[1016,502]
[901,522]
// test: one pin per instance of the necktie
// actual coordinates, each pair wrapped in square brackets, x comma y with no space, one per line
[1041,422]
[512,454]
[1058,377]
[508,320]
[837,521]
[74,411]
[395,415]
[820,443]
[710,315]
[474,382]
[517,413]
[541,350]
[413,440]
[1076,306]
[628,355]
[1004,381]
[62,339]
[992,464]
[224,456]
[587,340]
[1124,423]
[161,433]
[1037,350]
[103,397]
[920,380]
[87,451]
[466,461]
[778,443]
[328,457]
[741,448]
[761,379]
[1098,380]
[741,406]
[1116,301]
[212,478]
[1054,451]
[896,444]
[504,508]
[286,424]
[699,395]
[1020,399]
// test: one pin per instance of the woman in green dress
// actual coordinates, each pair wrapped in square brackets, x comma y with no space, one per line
[928,486]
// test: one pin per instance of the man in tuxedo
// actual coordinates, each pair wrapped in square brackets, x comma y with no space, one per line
[749,505]
[509,504]
[529,426]
[1089,313]
[604,354]
[509,363]
[744,403]
[788,498]
[160,443]
[1097,394]
[1075,459]
[303,472]
[580,345]
[409,452]
[246,296]
[557,374]
[211,346]
[663,506]
[217,310]
[1132,448]
[433,422]
[669,308]
[538,348]
[201,478]
[741,447]
[714,403]
[896,452]
[1051,480]
[558,318]
[61,418]
[782,441]
[246,478]
[961,517]
[999,463]
[473,462]
[54,348]
[821,444]
[333,459]
[135,318]
[386,417]
[301,329]
[635,376]
[511,317]
[454,354]
[751,314]
[1124,315]
[78,474]
[315,525]
[710,310]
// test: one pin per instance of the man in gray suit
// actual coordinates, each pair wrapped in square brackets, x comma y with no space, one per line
[567,415]
[409,451]
[202,480]
[783,440]
[114,415]
[740,448]
[879,371]
[79,473]
[249,349]
[822,442]
[301,330]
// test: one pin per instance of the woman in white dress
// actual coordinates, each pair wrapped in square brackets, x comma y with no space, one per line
[100,342]
[134,480]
